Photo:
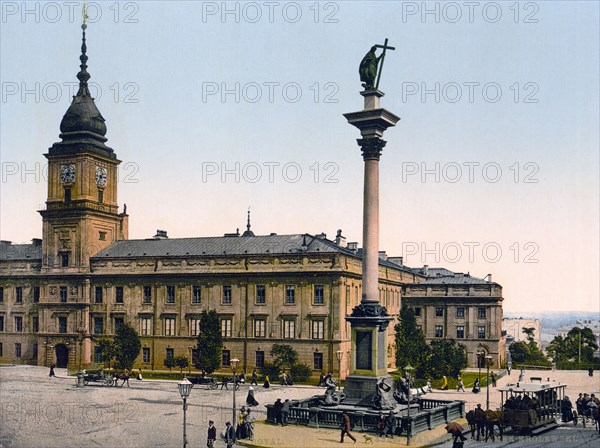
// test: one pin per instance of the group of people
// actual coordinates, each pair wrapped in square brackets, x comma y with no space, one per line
[586,404]
[522,403]
[386,425]
[281,411]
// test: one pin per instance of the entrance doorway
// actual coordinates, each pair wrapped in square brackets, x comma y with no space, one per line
[62,356]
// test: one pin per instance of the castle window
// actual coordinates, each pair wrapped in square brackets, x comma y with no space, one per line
[119,322]
[35,324]
[146,354]
[261,297]
[481,332]
[1,348]
[481,313]
[100,195]
[98,294]
[102,236]
[290,294]
[146,326]
[289,329]
[170,294]
[63,294]
[170,326]
[36,294]
[18,324]
[18,349]
[98,325]
[118,294]
[147,294]
[418,311]
[439,312]
[35,351]
[318,329]
[260,328]
[19,294]
[226,328]
[460,312]
[260,358]
[169,352]
[225,358]
[319,295]
[194,327]
[196,294]
[439,331]
[62,324]
[227,295]
[64,259]
[1,294]
[318,361]
[460,332]
[67,194]
[1,323]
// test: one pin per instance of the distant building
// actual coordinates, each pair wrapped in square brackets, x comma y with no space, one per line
[459,306]
[513,329]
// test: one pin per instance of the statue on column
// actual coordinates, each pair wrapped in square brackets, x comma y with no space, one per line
[370,67]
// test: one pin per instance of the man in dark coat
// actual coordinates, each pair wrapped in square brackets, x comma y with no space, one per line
[254,381]
[212,434]
[277,411]
[285,410]
[229,435]
[346,427]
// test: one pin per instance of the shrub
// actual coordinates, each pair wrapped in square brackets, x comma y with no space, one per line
[270,369]
[300,372]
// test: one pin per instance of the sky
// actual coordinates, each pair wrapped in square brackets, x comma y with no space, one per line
[217,107]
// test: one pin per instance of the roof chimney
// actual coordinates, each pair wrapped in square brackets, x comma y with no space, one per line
[160,235]
[426,270]
[489,277]
[36,241]
[398,260]
[340,240]
[321,236]
[383,255]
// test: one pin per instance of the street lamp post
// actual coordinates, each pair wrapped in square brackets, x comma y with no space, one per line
[185,387]
[234,364]
[480,354]
[340,355]
[408,369]
[488,361]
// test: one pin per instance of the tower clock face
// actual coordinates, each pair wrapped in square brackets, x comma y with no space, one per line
[100,176]
[67,173]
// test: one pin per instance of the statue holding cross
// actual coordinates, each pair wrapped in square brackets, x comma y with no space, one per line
[370,67]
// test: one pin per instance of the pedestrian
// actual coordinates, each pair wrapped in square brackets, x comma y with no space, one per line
[254,381]
[321,380]
[139,375]
[229,435]
[250,400]
[285,410]
[461,386]
[444,383]
[240,432]
[476,386]
[212,434]
[428,388]
[242,377]
[390,424]
[249,425]
[277,411]
[591,371]
[493,379]
[509,368]
[346,427]
[522,375]
[267,383]
[52,370]
[381,425]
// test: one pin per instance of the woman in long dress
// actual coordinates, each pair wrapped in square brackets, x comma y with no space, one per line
[250,400]
[267,383]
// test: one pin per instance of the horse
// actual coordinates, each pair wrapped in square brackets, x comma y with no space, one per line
[122,376]
[470,416]
[492,419]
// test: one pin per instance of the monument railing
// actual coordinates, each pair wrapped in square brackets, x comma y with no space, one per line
[309,412]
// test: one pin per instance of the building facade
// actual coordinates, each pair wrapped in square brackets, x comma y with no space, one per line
[513,328]
[61,294]
[458,306]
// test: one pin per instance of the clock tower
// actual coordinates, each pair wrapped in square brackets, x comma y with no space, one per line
[82,214]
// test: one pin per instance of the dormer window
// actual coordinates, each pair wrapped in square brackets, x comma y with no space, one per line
[64,259]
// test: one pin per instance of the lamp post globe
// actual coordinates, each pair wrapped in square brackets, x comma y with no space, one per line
[234,365]
[185,387]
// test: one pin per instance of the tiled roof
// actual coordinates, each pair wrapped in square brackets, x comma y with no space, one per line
[20,251]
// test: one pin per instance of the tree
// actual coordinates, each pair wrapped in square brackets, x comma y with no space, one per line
[411,347]
[528,352]
[127,346]
[181,362]
[169,362]
[300,372]
[530,332]
[107,350]
[209,343]
[447,358]
[578,345]
[284,355]
[519,352]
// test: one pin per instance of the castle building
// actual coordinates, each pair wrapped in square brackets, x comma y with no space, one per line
[85,277]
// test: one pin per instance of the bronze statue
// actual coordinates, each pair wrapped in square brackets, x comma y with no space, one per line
[370,67]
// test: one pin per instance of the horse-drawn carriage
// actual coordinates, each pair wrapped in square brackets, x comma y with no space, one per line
[532,407]
[207,381]
[98,377]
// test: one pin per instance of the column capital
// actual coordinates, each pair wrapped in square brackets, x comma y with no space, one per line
[371,147]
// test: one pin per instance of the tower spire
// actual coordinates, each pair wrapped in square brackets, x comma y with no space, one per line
[248,232]
[83,74]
